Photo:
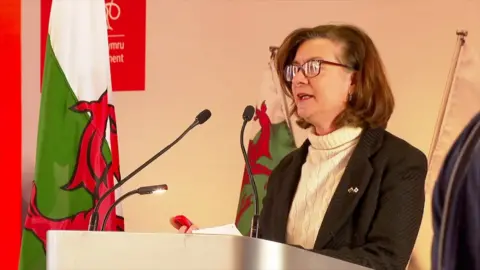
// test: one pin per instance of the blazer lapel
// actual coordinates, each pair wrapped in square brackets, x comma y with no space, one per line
[351,187]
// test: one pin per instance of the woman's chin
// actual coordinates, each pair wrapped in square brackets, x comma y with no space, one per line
[304,115]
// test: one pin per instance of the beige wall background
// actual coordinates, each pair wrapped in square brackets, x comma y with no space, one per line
[212,54]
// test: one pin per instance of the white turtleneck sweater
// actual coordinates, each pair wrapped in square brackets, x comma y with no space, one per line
[327,158]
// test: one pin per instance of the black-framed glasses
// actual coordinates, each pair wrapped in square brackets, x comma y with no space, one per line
[309,69]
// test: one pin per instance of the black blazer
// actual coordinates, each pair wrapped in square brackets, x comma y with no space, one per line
[374,216]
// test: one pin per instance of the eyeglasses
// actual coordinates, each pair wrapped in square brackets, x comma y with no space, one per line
[309,69]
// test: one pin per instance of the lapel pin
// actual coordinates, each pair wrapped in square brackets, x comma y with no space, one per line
[353,190]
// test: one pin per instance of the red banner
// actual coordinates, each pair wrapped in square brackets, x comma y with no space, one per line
[11,138]
[126,22]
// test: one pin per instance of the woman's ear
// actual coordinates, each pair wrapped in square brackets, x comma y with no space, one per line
[353,85]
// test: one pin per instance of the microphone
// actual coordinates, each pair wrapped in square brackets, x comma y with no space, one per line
[141,191]
[248,113]
[201,118]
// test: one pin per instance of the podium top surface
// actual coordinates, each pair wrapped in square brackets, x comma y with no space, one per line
[85,250]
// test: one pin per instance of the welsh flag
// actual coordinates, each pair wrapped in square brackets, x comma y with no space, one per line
[273,135]
[77,148]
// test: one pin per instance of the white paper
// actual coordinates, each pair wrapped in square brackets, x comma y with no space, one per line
[229,229]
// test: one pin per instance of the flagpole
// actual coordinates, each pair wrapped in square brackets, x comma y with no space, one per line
[461,35]
[273,53]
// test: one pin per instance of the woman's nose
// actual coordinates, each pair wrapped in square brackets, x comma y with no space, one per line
[299,78]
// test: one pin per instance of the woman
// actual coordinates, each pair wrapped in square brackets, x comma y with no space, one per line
[353,190]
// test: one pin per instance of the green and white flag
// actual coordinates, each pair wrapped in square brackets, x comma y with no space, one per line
[77,147]
[272,138]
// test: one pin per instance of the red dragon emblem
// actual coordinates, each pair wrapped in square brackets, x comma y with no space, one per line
[255,151]
[92,172]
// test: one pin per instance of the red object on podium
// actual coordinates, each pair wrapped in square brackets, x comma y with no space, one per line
[181,220]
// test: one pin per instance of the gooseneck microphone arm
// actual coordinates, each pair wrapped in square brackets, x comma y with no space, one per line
[141,191]
[115,203]
[201,118]
[255,225]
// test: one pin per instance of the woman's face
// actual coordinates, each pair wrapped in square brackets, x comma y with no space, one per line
[320,98]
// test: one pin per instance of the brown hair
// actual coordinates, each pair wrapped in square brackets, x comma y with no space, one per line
[372,103]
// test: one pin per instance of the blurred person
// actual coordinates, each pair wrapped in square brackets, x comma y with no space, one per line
[456,204]
[352,191]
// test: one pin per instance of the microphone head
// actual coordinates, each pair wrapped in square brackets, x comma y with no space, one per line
[248,113]
[203,116]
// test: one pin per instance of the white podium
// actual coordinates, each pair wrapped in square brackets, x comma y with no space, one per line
[84,250]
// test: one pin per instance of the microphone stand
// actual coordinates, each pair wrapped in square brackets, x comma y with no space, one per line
[201,118]
[255,225]
[94,218]
[141,191]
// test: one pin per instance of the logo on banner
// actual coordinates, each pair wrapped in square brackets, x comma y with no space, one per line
[126,24]
[116,41]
